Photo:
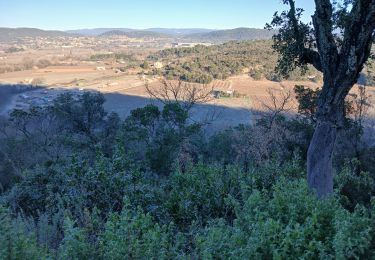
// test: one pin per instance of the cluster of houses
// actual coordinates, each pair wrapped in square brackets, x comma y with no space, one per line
[188,44]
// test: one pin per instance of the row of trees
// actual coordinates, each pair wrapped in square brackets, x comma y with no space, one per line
[28,63]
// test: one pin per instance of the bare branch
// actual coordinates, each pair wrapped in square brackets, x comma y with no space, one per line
[322,20]
[277,103]
[187,94]
[358,38]
[312,57]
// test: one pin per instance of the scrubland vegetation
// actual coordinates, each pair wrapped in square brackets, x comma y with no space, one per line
[79,183]
[202,64]
[28,63]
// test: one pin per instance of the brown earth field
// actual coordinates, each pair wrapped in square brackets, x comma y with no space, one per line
[125,92]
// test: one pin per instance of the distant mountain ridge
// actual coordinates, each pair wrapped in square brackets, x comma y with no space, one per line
[205,35]
[180,31]
[10,34]
[237,34]
[97,31]
[184,34]
[135,34]
[169,31]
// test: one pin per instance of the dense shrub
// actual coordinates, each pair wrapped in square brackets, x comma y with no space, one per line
[200,194]
[289,223]
[286,222]
[15,241]
[155,138]
[133,234]
[153,186]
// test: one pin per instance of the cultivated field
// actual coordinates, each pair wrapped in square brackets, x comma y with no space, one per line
[124,86]
[126,92]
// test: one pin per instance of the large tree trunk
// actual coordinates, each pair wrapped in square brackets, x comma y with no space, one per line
[340,59]
[319,159]
[330,118]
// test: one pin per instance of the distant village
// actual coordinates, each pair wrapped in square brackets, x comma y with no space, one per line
[111,42]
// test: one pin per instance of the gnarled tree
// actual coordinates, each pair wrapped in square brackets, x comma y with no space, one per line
[337,43]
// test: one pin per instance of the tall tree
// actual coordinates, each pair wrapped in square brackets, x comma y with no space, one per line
[337,43]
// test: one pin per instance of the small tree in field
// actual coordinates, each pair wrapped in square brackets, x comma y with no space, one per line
[337,43]
[184,93]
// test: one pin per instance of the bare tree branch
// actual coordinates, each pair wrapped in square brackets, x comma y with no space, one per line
[322,20]
[186,94]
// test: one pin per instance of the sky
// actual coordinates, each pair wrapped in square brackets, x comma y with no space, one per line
[141,14]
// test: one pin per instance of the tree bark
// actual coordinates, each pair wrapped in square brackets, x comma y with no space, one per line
[341,68]
[319,159]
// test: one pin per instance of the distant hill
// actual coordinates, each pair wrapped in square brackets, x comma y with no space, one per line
[169,31]
[185,34]
[179,31]
[198,34]
[135,34]
[238,34]
[97,31]
[10,34]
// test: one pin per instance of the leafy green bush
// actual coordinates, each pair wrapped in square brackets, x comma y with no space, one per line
[134,235]
[289,223]
[155,137]
[153,186]
[15,240]
[355,187]
[75,244]
[200,194]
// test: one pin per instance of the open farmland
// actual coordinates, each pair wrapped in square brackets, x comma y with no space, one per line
[126,92]
[120,68]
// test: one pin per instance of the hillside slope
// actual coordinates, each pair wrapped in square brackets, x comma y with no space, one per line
[134,34]
[238,34]
[11,34]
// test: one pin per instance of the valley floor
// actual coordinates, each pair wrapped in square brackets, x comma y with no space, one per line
[125,92]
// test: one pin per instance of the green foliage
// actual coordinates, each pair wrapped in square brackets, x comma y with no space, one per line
[84,113]
[255,74]
[152,186]
[292,39]
[76,185]
[75,244]
[208,213]
[14,49]
[157,136]
[116,56]
[202,64]
[200,194]
[307,101]
[15,241]
[355,187]
[145,65]
[132,234]
[289,223]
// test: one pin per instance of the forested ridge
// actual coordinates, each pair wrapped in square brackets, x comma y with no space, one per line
[202,64]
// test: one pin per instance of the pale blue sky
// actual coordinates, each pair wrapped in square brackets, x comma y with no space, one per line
[141,14]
